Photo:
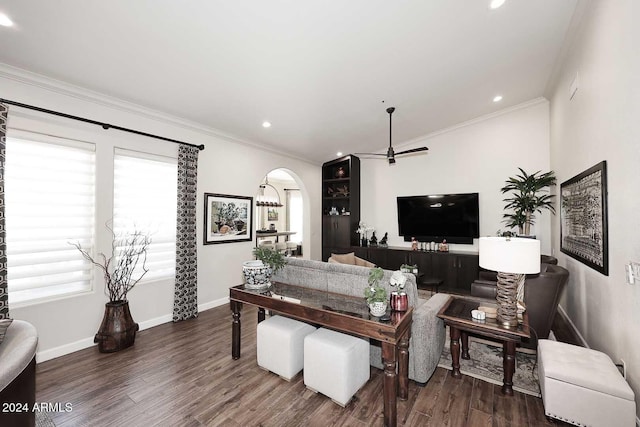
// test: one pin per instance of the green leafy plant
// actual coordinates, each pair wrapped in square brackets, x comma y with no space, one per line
[529,194]
[375,293]
[274,259]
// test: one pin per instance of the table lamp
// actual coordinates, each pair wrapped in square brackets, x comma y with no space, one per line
[512,258]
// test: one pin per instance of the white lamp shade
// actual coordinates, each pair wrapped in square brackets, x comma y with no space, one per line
[510,255]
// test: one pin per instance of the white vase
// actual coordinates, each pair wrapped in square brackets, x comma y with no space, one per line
[256,275]
[378,308]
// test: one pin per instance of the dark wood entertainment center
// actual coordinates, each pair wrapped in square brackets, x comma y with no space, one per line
[341,190]
[457,270]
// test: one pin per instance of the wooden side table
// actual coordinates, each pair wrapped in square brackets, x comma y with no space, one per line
[457,315]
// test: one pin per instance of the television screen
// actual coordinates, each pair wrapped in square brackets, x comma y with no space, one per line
[454,217]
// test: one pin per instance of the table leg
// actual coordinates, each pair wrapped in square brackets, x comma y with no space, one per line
[455,351]
[403,368]
[236,307]
[261,314]
[390,384]
[509,366]
[465,345]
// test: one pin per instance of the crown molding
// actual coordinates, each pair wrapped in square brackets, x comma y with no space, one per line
[86,95]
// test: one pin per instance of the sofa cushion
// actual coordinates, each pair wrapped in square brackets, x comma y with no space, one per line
[4,324]
[349,258]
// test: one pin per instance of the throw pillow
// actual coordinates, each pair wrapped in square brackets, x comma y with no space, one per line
[364,263]
[332,261]
[349,258]
[4,325]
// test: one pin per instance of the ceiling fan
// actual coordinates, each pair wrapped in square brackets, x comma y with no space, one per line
[391,155]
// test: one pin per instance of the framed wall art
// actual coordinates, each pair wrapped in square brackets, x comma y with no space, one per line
[583,218]
[272,214]
[227,219]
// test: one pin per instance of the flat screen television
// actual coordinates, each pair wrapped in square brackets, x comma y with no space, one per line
[454,217]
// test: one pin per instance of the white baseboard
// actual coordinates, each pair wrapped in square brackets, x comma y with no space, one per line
[213,304]
[573,326]
[52,353]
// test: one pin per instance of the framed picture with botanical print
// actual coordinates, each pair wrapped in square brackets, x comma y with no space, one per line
[272,214]
[227,219]
[583,218]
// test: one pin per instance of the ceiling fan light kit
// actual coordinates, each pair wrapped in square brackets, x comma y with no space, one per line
[391,154]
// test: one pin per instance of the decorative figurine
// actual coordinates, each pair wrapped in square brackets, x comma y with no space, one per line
[414,244]
[374,240]
[383,241]
[444,246]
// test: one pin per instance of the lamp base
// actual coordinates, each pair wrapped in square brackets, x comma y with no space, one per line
[507,323]
[506,297]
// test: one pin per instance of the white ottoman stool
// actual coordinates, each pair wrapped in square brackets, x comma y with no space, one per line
[335,364]
[280,345]
[583,386]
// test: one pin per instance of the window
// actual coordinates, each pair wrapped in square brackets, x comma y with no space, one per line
[294,214]
[145,199]
[50,203]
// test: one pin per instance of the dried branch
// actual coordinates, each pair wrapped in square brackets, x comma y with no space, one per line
[127,251]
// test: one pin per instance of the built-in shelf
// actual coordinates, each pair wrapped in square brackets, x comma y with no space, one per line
[340,195]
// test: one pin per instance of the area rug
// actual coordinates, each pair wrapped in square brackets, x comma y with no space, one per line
[486,365]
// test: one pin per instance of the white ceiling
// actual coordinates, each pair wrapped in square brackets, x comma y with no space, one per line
[318,70]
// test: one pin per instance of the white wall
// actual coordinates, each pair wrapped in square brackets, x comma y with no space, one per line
[474,157]
[602,123]
[225,166]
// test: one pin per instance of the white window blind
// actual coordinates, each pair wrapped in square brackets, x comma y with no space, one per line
[50,202]
[145,199]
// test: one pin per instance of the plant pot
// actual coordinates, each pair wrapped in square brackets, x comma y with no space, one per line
[378,308]
[399,301]
[118,330]
[256,275]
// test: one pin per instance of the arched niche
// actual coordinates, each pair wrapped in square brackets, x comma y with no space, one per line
[282,204]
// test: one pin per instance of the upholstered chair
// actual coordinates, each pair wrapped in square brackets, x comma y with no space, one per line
[541,296]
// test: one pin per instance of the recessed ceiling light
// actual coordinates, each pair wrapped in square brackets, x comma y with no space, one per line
[266,124]
[5,21]
[494,4]
[497,98]
[339,153]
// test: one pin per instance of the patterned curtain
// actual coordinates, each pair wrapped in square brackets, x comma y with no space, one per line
[4,294]
[185,303]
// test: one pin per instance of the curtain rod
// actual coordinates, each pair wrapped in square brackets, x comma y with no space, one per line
[105,126]
[291,189]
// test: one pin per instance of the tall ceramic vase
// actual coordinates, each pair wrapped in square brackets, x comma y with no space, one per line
[118,330]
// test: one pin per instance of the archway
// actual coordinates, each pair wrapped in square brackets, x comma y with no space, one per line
[281,213]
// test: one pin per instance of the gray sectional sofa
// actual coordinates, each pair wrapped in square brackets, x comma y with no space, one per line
[427,331]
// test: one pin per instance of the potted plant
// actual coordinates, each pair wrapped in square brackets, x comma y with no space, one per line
[399,300]
[128,251]
[258,273]
[529,194]
[376,295]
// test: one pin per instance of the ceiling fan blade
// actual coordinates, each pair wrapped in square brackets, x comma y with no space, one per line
[370,154]
[413,150]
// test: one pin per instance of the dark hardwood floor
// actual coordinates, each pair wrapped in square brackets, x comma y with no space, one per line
[183,375]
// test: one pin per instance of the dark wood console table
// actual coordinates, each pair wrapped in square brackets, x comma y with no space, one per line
[342,313]
[457,315]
